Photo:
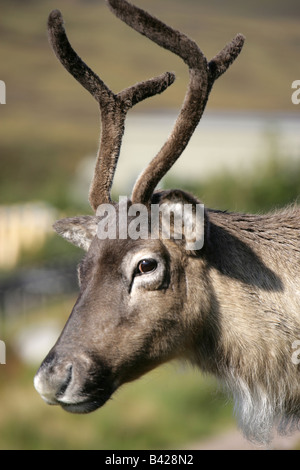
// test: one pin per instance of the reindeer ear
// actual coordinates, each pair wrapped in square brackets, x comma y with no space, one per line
[78,230]
[183,217]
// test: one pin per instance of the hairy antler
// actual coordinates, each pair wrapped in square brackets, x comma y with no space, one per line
[113,107]
[202,77]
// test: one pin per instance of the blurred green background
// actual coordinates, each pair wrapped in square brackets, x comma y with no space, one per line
[49,133]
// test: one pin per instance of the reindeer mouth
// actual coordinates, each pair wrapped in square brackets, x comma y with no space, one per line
[84,407]
[63,387]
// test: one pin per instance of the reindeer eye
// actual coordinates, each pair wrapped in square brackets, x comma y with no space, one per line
[147,265]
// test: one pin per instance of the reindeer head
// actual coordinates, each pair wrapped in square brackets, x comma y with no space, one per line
[136,307]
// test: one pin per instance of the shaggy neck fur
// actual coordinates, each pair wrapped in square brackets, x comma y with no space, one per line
[253,271]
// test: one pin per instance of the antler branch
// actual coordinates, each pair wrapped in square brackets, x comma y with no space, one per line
[220,63]
[113,107]
[202,77]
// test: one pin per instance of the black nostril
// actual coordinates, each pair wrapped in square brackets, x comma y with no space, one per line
[66,383]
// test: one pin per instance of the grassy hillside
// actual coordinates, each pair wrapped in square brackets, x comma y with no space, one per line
[49,122]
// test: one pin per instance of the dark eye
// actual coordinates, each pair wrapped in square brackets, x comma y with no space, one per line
[147,265]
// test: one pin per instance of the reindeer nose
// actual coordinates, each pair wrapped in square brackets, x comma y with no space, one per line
[53,379]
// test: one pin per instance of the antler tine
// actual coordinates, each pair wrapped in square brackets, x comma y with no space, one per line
[202,77]
[113,107]
[220,63]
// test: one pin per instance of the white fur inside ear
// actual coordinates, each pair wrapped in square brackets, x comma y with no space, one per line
[79,231]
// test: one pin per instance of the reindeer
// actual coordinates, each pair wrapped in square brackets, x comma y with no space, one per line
[230,307]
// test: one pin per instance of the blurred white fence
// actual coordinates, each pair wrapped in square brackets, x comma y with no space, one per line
[231,142]
[23,227]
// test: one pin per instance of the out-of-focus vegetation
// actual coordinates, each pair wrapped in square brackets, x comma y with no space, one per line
[50,123]
[273,184]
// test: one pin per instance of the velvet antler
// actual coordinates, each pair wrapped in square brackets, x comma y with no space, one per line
[202,77]
[113,107]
